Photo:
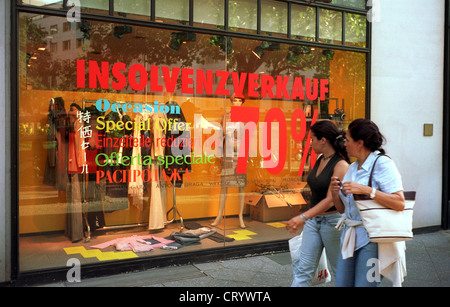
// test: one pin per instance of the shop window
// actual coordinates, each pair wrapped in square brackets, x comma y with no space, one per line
[48,3]
[303,22]
[172,11]
[95,6]
[274,18]
[140,9]
[209,13]
[90,6]
[242,15]
[355,30]
[358,4]
[89,179]
[330,26]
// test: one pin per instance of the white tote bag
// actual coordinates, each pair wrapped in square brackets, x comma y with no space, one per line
[385,225]
[321,273]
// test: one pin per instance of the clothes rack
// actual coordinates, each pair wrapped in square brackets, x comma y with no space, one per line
[175,209]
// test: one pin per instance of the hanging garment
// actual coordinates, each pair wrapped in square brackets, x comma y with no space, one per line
[76,151]
[74,219]
[116,193]
[158,207]
[57,146]
[92,150]
[136,187]
[74,225]
[157,214]
[94,204]
[94,191]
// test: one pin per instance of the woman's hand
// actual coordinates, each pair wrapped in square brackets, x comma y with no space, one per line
[335,185]
[350,187]
[294,224]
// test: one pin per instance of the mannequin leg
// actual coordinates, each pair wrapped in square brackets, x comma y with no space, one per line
[222,201]
[241,207]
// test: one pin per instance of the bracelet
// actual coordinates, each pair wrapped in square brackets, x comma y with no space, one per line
[303,217]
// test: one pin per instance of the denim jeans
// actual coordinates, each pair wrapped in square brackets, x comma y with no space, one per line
[318,232]
[357,271]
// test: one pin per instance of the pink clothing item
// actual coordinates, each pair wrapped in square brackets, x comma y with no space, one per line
[135,243]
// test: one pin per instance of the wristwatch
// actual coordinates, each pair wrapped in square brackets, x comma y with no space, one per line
[372,194]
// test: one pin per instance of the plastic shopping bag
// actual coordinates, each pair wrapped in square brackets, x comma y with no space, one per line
[294,246]
[321,273]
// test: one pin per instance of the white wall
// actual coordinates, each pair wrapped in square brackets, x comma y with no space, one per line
[407,91]
[5,203]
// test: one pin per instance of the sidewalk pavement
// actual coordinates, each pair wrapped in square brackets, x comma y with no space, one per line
[427,261]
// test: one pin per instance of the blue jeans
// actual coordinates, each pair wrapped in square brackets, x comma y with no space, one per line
[357,271]
[318,232]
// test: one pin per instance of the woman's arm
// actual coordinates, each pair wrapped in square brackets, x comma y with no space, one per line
[388,180]
[335,190]
[335,186]
[394,200]
[293,224]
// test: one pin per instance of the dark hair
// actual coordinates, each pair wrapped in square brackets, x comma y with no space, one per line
[367,131]
[327,129]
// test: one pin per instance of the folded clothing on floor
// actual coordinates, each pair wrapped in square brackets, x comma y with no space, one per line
[135,243]
[217,237]
[192,236]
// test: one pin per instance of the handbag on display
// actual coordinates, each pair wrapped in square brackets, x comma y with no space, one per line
[383,224]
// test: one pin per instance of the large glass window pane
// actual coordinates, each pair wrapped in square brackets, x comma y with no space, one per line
[273,17]
[242,15]
[48,3]
[303,22]
[330,26]
[140,9]
[58,202]
[94,6]
[95,166]
[209,13]
[173,11]
[90,6]
[284,87]
[355,30]
[359,4]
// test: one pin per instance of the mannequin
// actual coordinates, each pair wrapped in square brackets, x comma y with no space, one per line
[229,164]
[76,154]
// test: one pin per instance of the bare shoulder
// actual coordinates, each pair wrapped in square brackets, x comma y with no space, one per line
[340,169]
[342,164]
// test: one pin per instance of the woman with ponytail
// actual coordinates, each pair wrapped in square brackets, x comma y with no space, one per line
[364,142]
[320,220]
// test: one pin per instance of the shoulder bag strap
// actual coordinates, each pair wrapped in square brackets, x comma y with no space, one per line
[371,172]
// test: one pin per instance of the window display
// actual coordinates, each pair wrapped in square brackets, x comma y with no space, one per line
[138,141]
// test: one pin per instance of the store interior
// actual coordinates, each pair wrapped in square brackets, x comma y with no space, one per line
[48,75]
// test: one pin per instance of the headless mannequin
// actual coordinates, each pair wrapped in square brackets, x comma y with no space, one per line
[235,101]
[222,201]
